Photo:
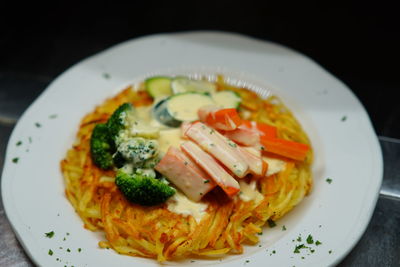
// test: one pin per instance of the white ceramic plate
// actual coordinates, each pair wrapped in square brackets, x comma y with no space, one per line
[346,149]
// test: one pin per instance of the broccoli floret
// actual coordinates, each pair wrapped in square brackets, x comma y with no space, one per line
[138,150]
[118,119]
[143,190]
[101,147]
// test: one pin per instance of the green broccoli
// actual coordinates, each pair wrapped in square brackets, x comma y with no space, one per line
[101,147]
[118,119]
[138,150]
[102,143]
[143,190]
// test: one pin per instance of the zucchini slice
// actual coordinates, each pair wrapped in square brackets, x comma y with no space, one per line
[227,99]
[158,86]
[184,84]
[178,108]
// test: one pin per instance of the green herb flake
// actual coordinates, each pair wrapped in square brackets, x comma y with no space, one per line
[330,251]
[68,250]
[18,143]
[318,243]
[232,144]
[273,252]
[50,252]
[64,239]
[297,248]
[106,76]
[49,234]
[310,239]
[299,239]
[283,228]
[53,116]
[79,249]
[328,180]
[247,261]
[38,125]
[260,233]
[344,118]
[15,160]
[67,233]
[271,223]
[206,181]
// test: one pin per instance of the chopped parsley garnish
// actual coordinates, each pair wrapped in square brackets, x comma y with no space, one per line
[38,125]
[247,261]
[15,160]
[328,180]
[260,233]
[318,243]
[297,248]
[49,234]
[206,181]
[273,252]
[330,251]
[53,116]
[18,143]
[68,250]
[79,249]
[50,252]
[283,228]
[232,144]
[310,239]
[299,239]
[106,76]
[344,118]
[271,223]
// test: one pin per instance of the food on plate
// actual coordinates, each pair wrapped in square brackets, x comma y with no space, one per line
[181,167]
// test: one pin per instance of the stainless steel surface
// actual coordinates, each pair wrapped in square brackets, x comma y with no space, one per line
[379,246]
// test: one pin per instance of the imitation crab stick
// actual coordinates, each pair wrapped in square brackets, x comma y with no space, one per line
[185,174]
[226,119]
[248,133]
[218,146]
[210,165]
[257,165]
[286,148]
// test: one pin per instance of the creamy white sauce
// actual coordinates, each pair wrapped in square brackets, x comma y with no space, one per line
[274,165]
[249,192]
[169,137]
[180,204]
[146,115]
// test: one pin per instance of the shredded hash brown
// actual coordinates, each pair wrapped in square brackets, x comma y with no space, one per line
[155,232]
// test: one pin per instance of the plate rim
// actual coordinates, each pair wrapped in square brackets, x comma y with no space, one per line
[6,176]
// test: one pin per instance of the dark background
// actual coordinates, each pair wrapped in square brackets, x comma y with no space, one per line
[359,42]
